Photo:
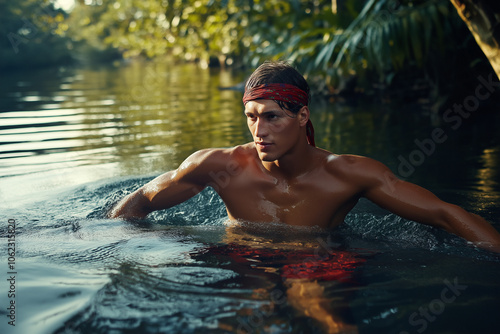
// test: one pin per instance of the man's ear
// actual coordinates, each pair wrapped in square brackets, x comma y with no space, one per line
[303,115]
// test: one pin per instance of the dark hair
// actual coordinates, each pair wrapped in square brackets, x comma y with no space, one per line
[279,72]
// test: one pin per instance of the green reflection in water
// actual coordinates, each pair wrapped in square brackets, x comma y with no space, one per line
[160,113]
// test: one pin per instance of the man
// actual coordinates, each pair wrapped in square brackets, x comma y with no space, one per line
[282,177]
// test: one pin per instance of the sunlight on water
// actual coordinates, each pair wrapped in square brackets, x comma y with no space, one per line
[120,114]
[131,121]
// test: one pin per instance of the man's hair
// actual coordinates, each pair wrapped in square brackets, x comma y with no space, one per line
[271,72]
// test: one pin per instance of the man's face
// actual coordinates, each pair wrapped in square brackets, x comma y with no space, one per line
[275,131]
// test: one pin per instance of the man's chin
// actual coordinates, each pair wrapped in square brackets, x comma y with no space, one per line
[266,157]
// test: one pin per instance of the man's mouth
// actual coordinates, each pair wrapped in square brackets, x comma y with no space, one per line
[263,145]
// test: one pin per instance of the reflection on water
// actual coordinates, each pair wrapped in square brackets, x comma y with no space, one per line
[144,117]
[488,178]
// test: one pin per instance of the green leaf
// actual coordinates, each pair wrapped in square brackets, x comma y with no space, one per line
[325,55]
[416,43]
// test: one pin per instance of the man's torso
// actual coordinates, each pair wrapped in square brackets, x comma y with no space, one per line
[321,196]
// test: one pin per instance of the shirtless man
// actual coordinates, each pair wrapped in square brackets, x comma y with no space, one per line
[282,177]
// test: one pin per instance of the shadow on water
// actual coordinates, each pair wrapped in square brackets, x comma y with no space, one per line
[75,141]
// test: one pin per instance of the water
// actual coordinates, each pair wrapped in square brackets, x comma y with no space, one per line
[74,141]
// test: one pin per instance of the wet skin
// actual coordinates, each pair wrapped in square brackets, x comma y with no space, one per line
[279,177]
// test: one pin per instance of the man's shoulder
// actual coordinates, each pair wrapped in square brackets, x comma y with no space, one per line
[218,156]
[354,165]
[227,152]
[347,160]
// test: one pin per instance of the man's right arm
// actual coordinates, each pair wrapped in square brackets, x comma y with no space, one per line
[167,190]
[415,203]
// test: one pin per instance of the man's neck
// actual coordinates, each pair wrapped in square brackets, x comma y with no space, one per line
[292,164]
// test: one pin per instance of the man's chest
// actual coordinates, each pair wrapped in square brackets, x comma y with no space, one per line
[314,201]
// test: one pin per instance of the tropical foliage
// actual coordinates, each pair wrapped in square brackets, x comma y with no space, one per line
[389,35]
[226,32]
[379,43]
[32,33]
[483,20]
[373,41]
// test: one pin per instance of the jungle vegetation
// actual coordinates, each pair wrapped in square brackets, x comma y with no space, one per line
[391,49]
[33,34]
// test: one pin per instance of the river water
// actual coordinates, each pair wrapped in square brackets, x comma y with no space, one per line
[75,140]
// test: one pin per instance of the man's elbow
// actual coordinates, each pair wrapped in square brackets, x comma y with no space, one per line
[445,217]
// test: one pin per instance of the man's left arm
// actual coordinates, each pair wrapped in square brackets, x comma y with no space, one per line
[418,204]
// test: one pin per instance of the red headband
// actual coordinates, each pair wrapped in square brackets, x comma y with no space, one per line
[285,93]
[279,92]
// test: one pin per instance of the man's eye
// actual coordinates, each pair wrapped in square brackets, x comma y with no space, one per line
[272,116]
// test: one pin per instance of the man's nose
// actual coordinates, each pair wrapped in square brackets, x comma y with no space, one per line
[261,130]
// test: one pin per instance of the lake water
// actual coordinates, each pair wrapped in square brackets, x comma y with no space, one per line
[75,140]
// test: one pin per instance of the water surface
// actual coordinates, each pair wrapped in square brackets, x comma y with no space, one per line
[75,140]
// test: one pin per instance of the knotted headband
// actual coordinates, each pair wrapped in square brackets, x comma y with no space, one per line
[285,93]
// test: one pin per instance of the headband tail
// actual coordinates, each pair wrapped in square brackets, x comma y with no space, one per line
[310,133]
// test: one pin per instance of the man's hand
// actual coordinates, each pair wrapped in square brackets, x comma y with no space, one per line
[132,206]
